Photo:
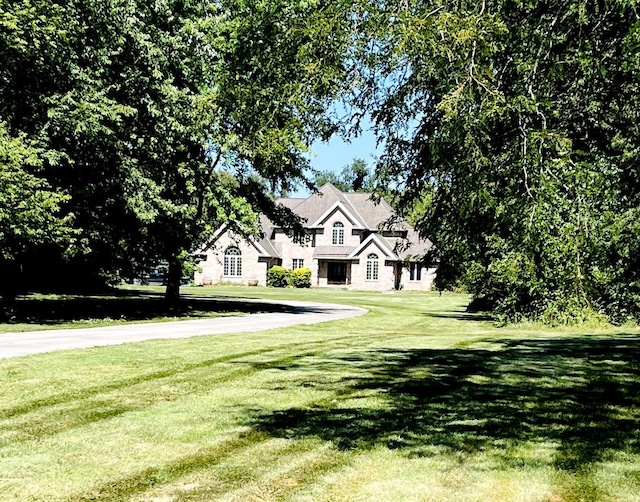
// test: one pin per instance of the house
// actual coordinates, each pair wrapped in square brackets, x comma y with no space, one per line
[351,242]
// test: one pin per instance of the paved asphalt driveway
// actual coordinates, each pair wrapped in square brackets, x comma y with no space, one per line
[34,342]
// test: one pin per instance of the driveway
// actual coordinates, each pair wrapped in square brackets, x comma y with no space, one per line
[34,342]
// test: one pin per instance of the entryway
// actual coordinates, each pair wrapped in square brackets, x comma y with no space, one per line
[336,272]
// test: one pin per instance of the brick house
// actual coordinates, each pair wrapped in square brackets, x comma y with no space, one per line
[351,242]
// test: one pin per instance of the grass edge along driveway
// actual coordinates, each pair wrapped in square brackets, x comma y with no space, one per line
[263,315]
[417,400]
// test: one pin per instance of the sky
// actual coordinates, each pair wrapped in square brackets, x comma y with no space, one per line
[337,153]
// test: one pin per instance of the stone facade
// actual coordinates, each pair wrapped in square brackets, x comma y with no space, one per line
[350,243]
[211,268]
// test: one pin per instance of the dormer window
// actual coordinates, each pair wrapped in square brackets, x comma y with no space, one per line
[338,234]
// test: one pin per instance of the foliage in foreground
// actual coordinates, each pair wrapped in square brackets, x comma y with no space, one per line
[417,401]
[510,132]
[517,123]
[140,128]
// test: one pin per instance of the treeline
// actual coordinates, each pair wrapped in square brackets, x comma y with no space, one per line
[130,131]
[512,126]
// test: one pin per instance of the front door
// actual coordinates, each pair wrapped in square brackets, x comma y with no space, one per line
[337,272]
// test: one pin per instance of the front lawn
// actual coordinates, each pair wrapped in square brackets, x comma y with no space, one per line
[124,305]
[416,401]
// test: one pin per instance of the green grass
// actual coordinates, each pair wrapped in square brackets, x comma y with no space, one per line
[124,305]
[415,401]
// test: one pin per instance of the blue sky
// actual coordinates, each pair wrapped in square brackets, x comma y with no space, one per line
[337,153]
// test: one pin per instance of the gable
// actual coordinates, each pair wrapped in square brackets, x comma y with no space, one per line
[372,213]
[374,244]
[227,231]
[338,207]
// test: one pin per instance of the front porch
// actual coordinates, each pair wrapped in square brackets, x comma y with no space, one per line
[333,273]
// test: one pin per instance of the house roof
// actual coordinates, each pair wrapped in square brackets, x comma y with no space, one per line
[265,242]
[341,208]
[376,217]
[262,244]
[412,246]
[290,202]
[315,206]
[372,213]
[333,252]
[378,241]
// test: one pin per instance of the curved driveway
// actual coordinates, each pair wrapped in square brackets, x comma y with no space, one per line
[34,342]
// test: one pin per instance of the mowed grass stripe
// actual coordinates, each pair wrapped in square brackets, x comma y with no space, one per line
[262,471]
[109,401]
[218,419]
[206,458]
[87,392]
[285,476]
[95,408]
[415,401]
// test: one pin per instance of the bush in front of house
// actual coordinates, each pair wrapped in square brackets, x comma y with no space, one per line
[300,278]
[278,277]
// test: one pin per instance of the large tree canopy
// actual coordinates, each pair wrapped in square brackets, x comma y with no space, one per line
[518,122]
[138,112]
[510,131]
[30,210]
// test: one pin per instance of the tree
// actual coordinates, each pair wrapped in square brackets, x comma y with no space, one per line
[354,177]
[30,212]
[324,177]
[358,176]
[142,111]
[518,120]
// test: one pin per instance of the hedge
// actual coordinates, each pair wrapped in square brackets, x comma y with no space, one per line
[300,278]
[280,277]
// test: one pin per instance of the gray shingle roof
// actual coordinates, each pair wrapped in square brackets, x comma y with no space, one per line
[335,252]
[267,227]
[370,215]
[413,246]
[291,203]
[319,203]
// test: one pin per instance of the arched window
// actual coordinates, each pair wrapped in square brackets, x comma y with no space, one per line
[338,234]
[372,267]
[232,262]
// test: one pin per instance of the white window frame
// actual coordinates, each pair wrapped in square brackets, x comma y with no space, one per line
[338,234]
[297,263]
[373,267]
[232,262]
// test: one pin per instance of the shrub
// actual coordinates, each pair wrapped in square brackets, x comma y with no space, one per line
[300,278]
[278,277]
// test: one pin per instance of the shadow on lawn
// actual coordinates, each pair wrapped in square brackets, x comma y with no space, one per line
[462,316]
[580,393]
[128,305]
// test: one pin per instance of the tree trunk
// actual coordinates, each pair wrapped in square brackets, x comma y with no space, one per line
[172,293]
[397,280]
[9,290]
